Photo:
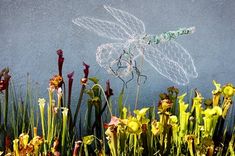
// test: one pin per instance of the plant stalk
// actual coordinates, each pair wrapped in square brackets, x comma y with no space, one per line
[79,104]
[6,108]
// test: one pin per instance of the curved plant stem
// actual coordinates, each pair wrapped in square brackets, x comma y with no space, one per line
[108,104]
[6,108]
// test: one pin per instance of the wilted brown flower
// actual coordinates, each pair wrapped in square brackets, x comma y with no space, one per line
[56,82]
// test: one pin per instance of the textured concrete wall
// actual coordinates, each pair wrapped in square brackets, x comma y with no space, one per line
[32,30]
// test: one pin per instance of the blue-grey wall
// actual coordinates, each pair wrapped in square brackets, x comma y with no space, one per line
[32,30]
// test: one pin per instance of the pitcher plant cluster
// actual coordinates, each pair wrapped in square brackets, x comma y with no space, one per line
[178,124]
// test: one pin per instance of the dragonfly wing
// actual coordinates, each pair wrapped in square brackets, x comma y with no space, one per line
[166,67]
[133,25]
[174,51]
[110,56]
[103,28]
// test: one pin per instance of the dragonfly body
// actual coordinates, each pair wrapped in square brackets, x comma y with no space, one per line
[164,54]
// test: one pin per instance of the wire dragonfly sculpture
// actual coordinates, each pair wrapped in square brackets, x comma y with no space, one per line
[119,58]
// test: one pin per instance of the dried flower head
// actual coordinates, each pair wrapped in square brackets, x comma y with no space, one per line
[55,82]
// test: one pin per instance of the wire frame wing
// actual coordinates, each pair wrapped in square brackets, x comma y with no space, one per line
[103,28]
[132,24]
[114,59]
[175,52]
[166,67]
